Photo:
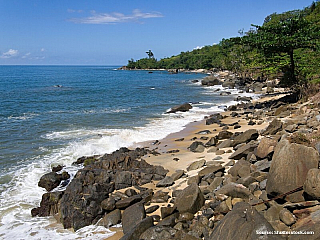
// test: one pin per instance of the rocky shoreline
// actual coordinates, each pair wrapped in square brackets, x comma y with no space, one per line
[251,172]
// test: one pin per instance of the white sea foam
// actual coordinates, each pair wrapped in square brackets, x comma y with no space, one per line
[91,111]
[22,117]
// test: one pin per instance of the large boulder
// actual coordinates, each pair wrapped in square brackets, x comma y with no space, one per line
[211,81]
[215,118]
[181,108]
[49,205]
[196,165]
[312,184]
[197,147]
[166,182]
[111,219]
[50,181]
[247,136]
[212,142]
[310,223]
[273,128]
[265,147]
[189,199]
[138,229]
[158,232]
[230,83]
[224,135]
[239,167]
[126,202]
[211,170]
[123,180]
[131,216]
[289,167]
[243,151]
[243,222]
[234,190]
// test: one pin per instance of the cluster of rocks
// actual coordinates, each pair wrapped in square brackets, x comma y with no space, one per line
[271,183]
[229,80]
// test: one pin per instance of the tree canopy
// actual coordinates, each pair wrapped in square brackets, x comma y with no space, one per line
[289,32]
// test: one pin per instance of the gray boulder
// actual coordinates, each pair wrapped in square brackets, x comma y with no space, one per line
[166,182]
[312,184]
[245,137]
[111,219]
[273,128]
[177,174]
[211,169]
[50,181]
[229,84]
[243,151]
[123,180]
[212,142]
[181,108]
[224,135]
[138,229]
[152,209]
[131,216]
[158,232]
[245,223]
[126,202]
[196,165]
[215,118]
[289,167]
[189,199]
[211,81]
[196,147]
[265,147]
[234,190]
[225,144]
[309,223]
[49,205]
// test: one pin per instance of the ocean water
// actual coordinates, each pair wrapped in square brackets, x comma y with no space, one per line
[52,115]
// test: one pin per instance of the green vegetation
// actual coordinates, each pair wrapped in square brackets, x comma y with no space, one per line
[286,46]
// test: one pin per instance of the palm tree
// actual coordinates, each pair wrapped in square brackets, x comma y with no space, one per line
[150,54]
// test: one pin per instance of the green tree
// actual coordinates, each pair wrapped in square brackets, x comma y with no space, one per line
[284,33]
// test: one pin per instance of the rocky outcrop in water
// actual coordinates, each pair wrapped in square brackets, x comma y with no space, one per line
[81,202]
[181,108]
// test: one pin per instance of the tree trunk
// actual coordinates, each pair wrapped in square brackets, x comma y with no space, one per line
[292,75]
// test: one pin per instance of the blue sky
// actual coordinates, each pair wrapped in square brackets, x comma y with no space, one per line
[109,32]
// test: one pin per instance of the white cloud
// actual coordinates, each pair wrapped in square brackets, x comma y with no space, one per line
[198,47]
[26,55]
[74,11]
[42,49]
[10,53]
[112,18]
[39,58]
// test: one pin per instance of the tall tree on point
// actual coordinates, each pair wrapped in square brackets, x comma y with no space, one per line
[285,34]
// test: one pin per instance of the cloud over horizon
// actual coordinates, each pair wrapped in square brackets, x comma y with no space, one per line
[115,17]
[10,53]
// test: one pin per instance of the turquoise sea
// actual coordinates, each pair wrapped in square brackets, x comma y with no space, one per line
[52,115]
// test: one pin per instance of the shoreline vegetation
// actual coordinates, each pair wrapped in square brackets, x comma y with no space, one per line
[249,172]
[286,47]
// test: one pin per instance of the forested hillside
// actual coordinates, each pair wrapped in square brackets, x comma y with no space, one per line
[285,46]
